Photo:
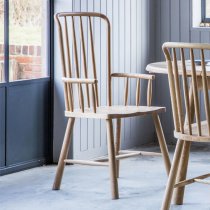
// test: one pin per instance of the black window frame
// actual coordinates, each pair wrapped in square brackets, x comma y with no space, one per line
[49,79]
[203,12]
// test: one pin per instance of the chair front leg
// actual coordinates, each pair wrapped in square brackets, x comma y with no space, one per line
[182,173]
[112,160]
[63,154]
[172,176]
[117,144]
[162,142]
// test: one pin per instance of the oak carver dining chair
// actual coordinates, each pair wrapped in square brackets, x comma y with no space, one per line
[186,78]
[74,82]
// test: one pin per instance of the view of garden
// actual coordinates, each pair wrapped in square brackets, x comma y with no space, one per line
[26,27]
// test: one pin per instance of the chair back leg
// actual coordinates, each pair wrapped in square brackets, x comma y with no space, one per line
[172,176]
[182,173]
[117,144]
[183,165]
[112,160]
[64,154]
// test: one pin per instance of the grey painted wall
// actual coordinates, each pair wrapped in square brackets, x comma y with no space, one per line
[173,23]
[133,46]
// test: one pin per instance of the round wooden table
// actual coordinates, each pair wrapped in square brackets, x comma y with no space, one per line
[158,67]
[161,68]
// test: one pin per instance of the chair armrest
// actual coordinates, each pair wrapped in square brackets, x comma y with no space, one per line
[79,81]
[134,75]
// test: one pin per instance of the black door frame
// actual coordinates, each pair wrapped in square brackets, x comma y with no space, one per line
[48,82]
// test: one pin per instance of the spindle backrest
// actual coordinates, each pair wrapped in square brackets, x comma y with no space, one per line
[71,32]
[184,76]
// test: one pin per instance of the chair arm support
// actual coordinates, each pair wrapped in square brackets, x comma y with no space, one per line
[134,75]
[138,94]
[79,81]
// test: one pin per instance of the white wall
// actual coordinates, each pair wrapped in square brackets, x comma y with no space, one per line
[133,46]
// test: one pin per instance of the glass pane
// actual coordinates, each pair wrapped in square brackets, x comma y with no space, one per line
[207,8]
[27,39]
[1,40]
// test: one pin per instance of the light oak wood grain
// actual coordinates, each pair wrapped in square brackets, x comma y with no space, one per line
[184,98]
[87,91]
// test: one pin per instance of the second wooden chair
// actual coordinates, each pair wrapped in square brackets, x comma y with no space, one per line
[186,79]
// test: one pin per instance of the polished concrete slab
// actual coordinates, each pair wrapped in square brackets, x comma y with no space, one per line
[141,185]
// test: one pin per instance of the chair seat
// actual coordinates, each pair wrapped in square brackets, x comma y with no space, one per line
[110,112]
[205,137]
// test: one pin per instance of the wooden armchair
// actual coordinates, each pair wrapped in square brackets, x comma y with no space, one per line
[88,100]
[190,125]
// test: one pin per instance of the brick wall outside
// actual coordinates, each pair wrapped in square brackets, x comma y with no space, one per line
[25,61]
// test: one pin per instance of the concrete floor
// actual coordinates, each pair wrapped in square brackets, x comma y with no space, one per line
[141,186]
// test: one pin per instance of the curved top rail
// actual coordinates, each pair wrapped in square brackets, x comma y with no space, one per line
[80,14]
[205,46]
